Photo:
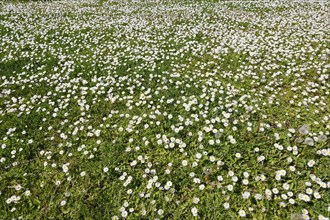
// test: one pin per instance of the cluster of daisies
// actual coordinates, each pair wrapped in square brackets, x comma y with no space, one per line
[165,110]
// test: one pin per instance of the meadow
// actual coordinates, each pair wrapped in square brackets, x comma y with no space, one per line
[165,109]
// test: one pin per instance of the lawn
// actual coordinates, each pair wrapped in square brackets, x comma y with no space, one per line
[164,109]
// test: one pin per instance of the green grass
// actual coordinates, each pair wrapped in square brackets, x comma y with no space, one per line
[97,85]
